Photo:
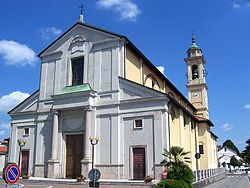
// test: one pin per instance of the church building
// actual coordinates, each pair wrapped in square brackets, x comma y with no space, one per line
[96,83]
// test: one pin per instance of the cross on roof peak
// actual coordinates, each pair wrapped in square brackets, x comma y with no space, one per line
[81,13]
[81,9]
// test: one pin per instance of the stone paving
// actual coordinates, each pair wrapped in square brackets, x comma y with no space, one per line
[49,184]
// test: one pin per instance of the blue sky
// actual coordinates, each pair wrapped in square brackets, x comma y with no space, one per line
[160,29]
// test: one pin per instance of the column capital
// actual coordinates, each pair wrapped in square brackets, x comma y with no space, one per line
[55,112]
[88,108]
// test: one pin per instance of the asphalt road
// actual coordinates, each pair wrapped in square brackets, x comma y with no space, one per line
[232,181]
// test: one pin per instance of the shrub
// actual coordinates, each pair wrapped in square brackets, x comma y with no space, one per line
[172,184]
[176,160]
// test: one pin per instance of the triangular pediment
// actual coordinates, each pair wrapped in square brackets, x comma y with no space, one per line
[132,90]
[28,105]
[79,33]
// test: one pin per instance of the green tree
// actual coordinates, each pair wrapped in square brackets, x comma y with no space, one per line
[176,161]
[230,145]
[234,162]
[246,153]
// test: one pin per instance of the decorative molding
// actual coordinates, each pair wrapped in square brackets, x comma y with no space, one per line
[78,38]
[74,123]
[77,44]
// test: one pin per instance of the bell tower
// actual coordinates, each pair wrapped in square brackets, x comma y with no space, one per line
[197,87]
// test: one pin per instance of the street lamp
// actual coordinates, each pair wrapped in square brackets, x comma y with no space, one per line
[93,142]
[21,143]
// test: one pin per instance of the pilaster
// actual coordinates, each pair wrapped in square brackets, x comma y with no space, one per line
[86,161]
[53,163]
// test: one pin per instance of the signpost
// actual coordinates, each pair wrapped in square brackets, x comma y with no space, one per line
[11,174]
[197,155]
[165,174]
[94,175]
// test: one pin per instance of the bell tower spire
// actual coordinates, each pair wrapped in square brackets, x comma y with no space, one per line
[197,86]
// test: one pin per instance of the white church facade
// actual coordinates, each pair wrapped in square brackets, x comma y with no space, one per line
[95,83]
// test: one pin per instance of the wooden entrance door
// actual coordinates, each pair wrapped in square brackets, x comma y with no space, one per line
[139,163]
[74,155]
[25,163]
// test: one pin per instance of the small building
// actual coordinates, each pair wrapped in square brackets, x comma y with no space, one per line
[224,156]
[3,154]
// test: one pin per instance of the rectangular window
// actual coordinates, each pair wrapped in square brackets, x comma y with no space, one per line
[77,71]
[201,149]
[138,124]
[26,131]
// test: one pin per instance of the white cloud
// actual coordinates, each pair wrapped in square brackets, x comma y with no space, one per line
[247,106]
[161,69]
[5,126]
[236,5]
[2,132]
[227,127]
[49,32]
[126,9]
[9,101]
[15,53]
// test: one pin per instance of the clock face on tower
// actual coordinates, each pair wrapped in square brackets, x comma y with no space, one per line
[196,95]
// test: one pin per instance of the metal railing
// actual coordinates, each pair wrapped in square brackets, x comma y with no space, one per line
[204,174]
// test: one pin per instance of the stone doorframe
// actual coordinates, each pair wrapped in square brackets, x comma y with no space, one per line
[53,162]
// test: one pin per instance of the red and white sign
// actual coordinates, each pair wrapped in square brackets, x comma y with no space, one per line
[11,173]
[165,174]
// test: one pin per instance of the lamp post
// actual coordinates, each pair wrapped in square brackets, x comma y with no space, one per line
[21,143]
[93,142]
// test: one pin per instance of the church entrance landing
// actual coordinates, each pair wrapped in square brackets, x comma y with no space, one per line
[74,155]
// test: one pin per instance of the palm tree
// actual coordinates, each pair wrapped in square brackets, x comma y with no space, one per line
[176,160]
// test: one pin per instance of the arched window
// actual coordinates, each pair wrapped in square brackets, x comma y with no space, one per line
[151,81]
[195,74]
[171,94]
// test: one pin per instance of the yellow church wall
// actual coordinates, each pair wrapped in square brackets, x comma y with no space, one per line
[181,130]
[193,146]
[204,138]
[137,70]
[146,71]
[181,133]
[133,67]
[187,140]
[174,128]
[214,162]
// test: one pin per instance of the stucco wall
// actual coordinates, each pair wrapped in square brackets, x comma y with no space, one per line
[133,67]
[203,139]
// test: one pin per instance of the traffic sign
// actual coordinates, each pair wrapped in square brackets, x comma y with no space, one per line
[94,175]
[11,173]
[197,155]
[165,174]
